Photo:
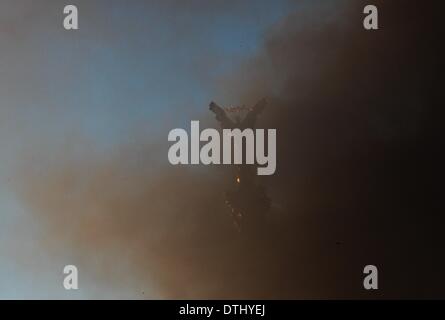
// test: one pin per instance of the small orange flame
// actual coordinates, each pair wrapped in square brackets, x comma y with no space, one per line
[238,179]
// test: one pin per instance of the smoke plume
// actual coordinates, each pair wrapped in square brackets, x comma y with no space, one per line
[357,138]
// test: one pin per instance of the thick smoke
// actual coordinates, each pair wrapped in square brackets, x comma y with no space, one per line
[355,112]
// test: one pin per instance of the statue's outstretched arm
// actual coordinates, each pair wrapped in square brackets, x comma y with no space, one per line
[250,119]
[221,115]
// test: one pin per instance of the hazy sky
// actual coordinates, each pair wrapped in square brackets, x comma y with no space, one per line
[84,176]
[130,70]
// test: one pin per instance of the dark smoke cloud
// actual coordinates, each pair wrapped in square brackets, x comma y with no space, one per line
[355,185]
